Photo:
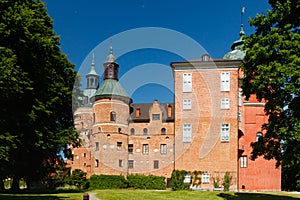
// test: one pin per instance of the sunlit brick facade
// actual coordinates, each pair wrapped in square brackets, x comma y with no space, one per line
[208,128]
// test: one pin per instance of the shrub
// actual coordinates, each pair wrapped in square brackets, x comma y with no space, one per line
[227,181]
[146,182]
[78,179]
[177,180]
[107,182]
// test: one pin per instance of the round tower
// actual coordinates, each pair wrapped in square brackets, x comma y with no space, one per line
[111,110]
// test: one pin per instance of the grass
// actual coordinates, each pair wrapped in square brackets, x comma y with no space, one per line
[155,195]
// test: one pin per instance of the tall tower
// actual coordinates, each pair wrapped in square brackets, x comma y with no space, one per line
[111,110]
[92,79]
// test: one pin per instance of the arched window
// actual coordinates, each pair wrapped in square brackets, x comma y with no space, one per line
[113,116]
[132,131]
[145,131]
[258,135]
[163,131]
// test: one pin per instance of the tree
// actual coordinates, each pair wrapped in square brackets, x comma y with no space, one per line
[272,73]
[36,82]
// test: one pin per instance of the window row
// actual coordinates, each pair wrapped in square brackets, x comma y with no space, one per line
[205,178]
[187,82]
[131,164]
[224,104]
[145,131]
[187,133]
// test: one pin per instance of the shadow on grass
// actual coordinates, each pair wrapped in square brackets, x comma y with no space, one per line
[250,196]
[32,197]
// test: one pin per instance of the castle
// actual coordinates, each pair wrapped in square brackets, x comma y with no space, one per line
[209,126]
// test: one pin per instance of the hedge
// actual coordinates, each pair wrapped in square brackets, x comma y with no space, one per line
[146,182]
[107,182]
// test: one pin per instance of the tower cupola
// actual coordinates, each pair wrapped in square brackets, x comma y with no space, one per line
[111,67]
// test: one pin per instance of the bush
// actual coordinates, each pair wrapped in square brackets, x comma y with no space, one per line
[227,181]
[146,182]
[78,179]
[107,182]
[177,180]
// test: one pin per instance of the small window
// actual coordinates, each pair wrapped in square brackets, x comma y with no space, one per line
[225,103]
[225,81]
[130,164]
[84,155]
[258,135]
[240,100]
[243,161]
[225,132]
[187,133]
[120,163]
[97,146]
[96,163]
[155,116]
[145,149]
[119,146]
[132,131]
[239,116]
[163,149]
[155,164]
[113,116]
[187,104]
[205,178]
[187,82]
[130,148]
[137,112]
[169,111]
[163,131]
[94,118]
[145,131]
[187,178]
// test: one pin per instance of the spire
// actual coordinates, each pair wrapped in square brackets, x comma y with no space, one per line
[93,71]
[242,32]
[110,58]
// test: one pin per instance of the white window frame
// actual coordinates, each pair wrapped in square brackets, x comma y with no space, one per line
[187,104]
[130,164]
[187,82]
[225,81]
[163,149]
[145,149]
[187,132]
[243,161]
[225,103]
[225,132]
[205,178]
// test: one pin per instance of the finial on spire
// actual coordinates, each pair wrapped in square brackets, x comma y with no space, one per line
[93,59]
[242,32]
[110,48]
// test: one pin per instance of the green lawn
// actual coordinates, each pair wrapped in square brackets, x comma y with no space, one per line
[155,195]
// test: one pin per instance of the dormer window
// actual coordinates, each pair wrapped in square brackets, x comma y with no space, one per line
[138,112]
[113,116]
[155,116]
[205,57]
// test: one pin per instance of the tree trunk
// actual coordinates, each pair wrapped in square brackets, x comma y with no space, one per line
[2,184]
[15,184]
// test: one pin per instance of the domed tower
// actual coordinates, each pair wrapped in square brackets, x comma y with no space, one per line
[237,52]
[111,109]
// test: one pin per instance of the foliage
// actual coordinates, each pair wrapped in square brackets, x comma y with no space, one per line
[36,82]
[272,74]
[227,181]
[177,180]
[196,178]
[146,182]
[78,179]
[107,182]
[216,181]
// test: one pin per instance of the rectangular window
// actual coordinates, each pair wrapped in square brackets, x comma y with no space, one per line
[205,178]
[187,82]
[225,103]
[187,133]
[119,146]
[239,116]
[163,149]
[225,81]
[130,164]
[187,104]
[155,116]
[243,161]
[120,163]
[97,146]
[96,163]
[130,148]
[240,98]
[155,164]
[145,149]
[225,130]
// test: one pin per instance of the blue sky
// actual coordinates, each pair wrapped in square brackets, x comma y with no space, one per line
[87,26]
